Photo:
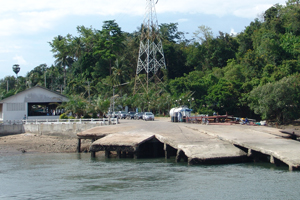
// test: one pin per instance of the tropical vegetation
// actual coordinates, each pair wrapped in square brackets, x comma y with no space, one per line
[252,74]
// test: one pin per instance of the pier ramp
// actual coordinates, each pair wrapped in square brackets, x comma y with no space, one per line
[199,144]
[122,143]
[167,140]
[258,142]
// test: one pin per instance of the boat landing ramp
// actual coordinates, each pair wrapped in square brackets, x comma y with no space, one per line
[194,143]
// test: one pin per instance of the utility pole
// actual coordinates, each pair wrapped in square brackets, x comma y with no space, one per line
[113,99]
[89,92]
[151,56]
[45,71]
[114,94]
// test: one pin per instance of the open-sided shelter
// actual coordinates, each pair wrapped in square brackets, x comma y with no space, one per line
[34,103]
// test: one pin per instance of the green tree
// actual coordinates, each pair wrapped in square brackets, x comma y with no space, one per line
[110,43]
[203,34]
[77,105]
[102,105]
[223,97]
[62,53]
[169,32]
[37,76]
[277,101]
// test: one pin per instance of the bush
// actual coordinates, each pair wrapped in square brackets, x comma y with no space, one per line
[63,116]
[277,101]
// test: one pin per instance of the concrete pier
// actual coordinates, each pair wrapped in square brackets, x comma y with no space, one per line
[100,132]
[166,140]
[199,148]
[121,142]
[268,141]
[198,144]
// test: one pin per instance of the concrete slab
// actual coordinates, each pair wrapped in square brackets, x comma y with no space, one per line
[258,138]
[101,131]
[125,139]
[200,143]
[197,147]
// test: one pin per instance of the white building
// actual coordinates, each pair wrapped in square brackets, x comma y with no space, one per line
[35,103]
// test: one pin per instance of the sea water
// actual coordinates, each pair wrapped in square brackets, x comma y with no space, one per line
[77,176]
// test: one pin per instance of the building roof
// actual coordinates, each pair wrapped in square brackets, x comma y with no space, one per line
[26,91]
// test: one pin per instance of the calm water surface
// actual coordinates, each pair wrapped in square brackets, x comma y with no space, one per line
[77,176]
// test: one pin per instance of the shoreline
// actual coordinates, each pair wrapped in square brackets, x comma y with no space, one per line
[33,143]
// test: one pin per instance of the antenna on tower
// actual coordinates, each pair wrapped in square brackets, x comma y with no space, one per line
[151,56]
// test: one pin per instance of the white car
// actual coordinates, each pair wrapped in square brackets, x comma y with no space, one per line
[148,116]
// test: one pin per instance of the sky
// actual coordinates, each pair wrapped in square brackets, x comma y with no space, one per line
[27,26]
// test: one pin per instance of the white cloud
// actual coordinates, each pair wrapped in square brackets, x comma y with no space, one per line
[29,22]
[7,26]
[232,32]
[20,60]
[8,47]
[27,25]
[30,16]
[250,12]
[183,20]
[245,9]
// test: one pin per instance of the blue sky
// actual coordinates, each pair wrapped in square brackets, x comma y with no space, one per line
[26,26]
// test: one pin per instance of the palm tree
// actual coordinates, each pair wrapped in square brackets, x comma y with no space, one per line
[76,104]
[119,74]
[54,77]
[102,104]
[62,53]
[77,47]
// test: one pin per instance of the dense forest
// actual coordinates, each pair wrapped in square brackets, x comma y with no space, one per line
[252,74]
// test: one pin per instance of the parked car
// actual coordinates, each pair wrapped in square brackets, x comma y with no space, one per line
[138,116]
[148,116]
[130,115]
[122,115]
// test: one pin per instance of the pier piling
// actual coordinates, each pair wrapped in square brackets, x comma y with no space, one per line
[166,149]
[107,154]
[79,145]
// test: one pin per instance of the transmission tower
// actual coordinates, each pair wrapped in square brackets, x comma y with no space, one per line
[151,56]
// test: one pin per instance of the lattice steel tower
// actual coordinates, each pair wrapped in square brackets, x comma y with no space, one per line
[151,56]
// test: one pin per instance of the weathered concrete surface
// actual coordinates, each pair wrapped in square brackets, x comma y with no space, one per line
[196,146]
[292,133]
[11,129]
[124,140]
[201,143]
[266,140]
[65,129]
[199,148]
[101,131]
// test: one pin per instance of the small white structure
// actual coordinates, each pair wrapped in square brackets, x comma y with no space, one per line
[35,103]
[179,114]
